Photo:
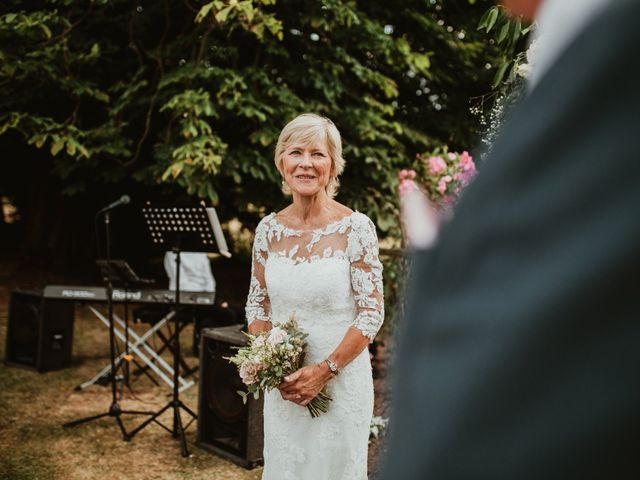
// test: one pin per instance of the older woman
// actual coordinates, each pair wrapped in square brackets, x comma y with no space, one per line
[319,259]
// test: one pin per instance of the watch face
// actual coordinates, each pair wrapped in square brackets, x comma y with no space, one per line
[332,366]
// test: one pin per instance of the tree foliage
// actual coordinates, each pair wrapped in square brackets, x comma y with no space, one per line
[194,93]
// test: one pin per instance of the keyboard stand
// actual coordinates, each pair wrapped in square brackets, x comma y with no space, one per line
[138,344]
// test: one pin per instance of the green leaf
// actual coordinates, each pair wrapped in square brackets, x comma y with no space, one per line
[38,140]
[492,18]
[83,151]
[482,23]
[517,29]
[204,11]
[56,147]
[223,14]
[71,147]
[46,30]
[258,30]
[422,62]
[502,35]
[248,10]
[500,74]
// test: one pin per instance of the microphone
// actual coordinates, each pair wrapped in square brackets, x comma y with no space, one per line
[124,199]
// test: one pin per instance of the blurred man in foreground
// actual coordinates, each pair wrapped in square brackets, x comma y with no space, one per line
[520,352]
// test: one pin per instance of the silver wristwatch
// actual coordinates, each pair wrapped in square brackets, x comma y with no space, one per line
[332,366]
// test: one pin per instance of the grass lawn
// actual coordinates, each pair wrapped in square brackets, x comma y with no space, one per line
[33,407]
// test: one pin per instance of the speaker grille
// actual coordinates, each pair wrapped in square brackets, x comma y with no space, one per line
[226,425]
[24,324]
[40,332]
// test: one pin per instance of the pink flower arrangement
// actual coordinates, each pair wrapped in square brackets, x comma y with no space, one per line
[446,175]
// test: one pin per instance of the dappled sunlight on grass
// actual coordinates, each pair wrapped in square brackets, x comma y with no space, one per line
[33,407]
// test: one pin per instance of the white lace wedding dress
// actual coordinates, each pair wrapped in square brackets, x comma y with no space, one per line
[332,279]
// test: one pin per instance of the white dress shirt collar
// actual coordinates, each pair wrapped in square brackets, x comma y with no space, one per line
[558,23]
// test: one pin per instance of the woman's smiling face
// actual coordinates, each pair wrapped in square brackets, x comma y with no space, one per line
[307,169]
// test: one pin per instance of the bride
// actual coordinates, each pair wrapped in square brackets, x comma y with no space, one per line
[319,259]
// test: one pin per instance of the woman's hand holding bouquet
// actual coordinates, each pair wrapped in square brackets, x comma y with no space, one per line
[273,355]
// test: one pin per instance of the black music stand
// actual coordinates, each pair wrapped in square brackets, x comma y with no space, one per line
[123,276]
[180,228]
[114,409]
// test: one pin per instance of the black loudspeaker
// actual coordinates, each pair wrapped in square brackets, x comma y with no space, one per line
[227,426]
[211,317]
[39,332]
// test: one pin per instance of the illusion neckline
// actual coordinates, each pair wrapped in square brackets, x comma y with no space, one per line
[313,230]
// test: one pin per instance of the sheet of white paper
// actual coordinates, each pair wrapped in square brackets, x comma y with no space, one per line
[217,232]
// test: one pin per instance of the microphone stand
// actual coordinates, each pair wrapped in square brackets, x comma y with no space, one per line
[115,410]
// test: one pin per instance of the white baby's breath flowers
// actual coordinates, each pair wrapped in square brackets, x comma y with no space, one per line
[378,426]
[524,70]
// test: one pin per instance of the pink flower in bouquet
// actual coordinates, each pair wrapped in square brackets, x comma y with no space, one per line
[436,165]
[276,336]
[466,162]
[442,184]
[444,176]
[407,185]
[449,199]
[249,372]
[405,174]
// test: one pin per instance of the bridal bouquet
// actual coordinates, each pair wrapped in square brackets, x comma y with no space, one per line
[426,197]
[446,175]
[271,356]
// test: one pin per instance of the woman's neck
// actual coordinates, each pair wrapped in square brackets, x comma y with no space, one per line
[309,211]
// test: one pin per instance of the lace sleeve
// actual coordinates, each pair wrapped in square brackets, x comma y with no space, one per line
[258,304]
[366,277]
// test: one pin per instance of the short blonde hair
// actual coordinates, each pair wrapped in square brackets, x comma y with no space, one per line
[311,128]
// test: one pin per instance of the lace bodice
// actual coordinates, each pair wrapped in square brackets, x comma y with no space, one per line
[350,241]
